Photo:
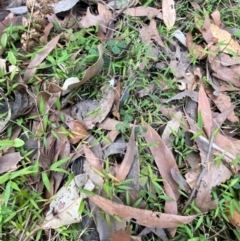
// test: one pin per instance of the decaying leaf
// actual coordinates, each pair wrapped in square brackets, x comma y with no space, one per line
[169,13]
[142,217]
[64,208]
[9,162]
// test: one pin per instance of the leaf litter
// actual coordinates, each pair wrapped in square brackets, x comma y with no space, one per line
[71,128]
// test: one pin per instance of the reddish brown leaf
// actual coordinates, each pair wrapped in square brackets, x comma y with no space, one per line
[205,110]
[9,162]
[33,65]
[143,217]
[78,132]
[126,164]
[163,158]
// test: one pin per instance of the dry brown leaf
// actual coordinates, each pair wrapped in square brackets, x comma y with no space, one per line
[126,164]
[103,19]
[9,162]
[163,158]
[205,110]
[77,131]
[219,65]
[213,34]
[92,71]
[223,102]
[76,128]
[149,33]
[142,11]
[227,44]
[33,65]
[92,159]
[142,217]
[169,13]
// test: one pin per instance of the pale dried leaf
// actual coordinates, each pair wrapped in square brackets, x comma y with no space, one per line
[64,208]
[169,13]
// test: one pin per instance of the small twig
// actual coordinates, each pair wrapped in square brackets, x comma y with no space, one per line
[202,174]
